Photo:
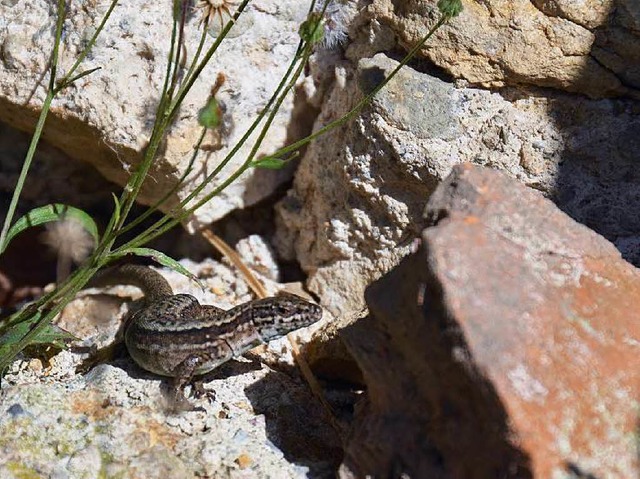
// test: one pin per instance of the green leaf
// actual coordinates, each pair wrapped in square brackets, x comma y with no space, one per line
[269,162]
[162,259]
[211,115]
[312,29]
[117,208]
[64,84]
[49,335]
[49,213]
[54,335]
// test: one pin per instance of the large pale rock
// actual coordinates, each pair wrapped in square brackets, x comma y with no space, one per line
[507,346]
[360,190]
[105,118]
[589,47]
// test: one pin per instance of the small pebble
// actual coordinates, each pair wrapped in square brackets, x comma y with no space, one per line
[244,461]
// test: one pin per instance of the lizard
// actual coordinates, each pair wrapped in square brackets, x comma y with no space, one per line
[173,335]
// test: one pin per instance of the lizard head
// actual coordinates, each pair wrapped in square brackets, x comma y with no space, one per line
[275,317]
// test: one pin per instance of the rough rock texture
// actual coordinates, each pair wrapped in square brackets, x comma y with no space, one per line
[106,117]
[53,178]
[510,342]
[585,47]
[115,421]
[360,190]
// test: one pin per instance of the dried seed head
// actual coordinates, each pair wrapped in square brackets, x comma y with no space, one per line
[68,239]
[336,20]
[212,8]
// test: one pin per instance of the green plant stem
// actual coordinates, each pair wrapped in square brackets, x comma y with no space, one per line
[38,130]
[364,101]
[25,169]
[130,192]
[175,188]
[196,57]
[188,83]
[167,222]
[67,80]
[160,202]
[135,184]
[52,91]
[192,75]
[157,205]
[56,46]
[177,58]
[76,283]
[256,146]
[164,95]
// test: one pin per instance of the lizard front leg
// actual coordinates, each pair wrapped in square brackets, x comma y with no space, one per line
[196,364]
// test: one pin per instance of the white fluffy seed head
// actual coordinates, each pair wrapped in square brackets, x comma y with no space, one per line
[336,21]
[68,239]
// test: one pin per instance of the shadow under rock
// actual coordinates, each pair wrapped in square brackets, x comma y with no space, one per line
[295,423]
[233,367]
[427,414]
[598,179]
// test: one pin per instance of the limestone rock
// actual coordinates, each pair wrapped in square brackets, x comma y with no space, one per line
[359,191]
[509,343]
[105,118]
[115,420]
[355,194]
[589,47]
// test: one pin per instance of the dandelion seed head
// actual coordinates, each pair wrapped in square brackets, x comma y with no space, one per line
[68,239]
[336,22]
